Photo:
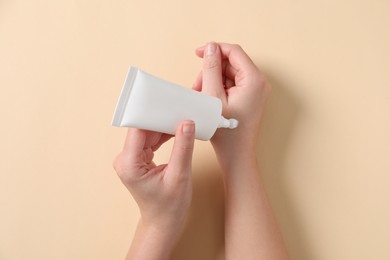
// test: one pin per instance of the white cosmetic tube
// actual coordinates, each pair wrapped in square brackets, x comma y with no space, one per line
[150,103]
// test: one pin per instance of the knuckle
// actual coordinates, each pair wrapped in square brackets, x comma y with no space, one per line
[259,77]
[237,47]
[121,167]
[186,148]
[268,87]
[263,83]
[261,80]
[211,64]
[115,163]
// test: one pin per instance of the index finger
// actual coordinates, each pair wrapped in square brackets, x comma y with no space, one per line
[234,53]
[134,143]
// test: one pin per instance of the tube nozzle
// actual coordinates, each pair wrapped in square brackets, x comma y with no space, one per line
[228,123]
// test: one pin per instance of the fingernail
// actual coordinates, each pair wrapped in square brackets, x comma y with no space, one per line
[211,48]
[188,129]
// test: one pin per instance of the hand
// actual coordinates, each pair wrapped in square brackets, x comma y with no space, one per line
[229,74]
[163,193]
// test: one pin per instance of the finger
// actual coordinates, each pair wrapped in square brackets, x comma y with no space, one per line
[199,51]
[164,138]
[229,83]
[198,82]
[135,142]
[233,52]
[229,71]
[154,140]
[127,161]
[181,156]
[212,71]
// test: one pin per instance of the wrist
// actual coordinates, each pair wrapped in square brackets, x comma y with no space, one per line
[235,157]
[169,225]
[238,165]
[153,241]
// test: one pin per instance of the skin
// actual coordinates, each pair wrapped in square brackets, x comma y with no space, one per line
[163,193]
[251,231]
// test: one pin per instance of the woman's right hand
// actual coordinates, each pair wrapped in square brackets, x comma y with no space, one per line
[229,74]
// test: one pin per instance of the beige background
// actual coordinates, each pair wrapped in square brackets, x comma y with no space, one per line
[324,148]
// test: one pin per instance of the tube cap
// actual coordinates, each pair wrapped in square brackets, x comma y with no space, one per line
[228,123]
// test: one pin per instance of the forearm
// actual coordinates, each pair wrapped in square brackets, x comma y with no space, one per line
[150,242]
[251,231]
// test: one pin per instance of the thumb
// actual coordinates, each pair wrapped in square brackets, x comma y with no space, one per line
[212,71]
[181,156]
